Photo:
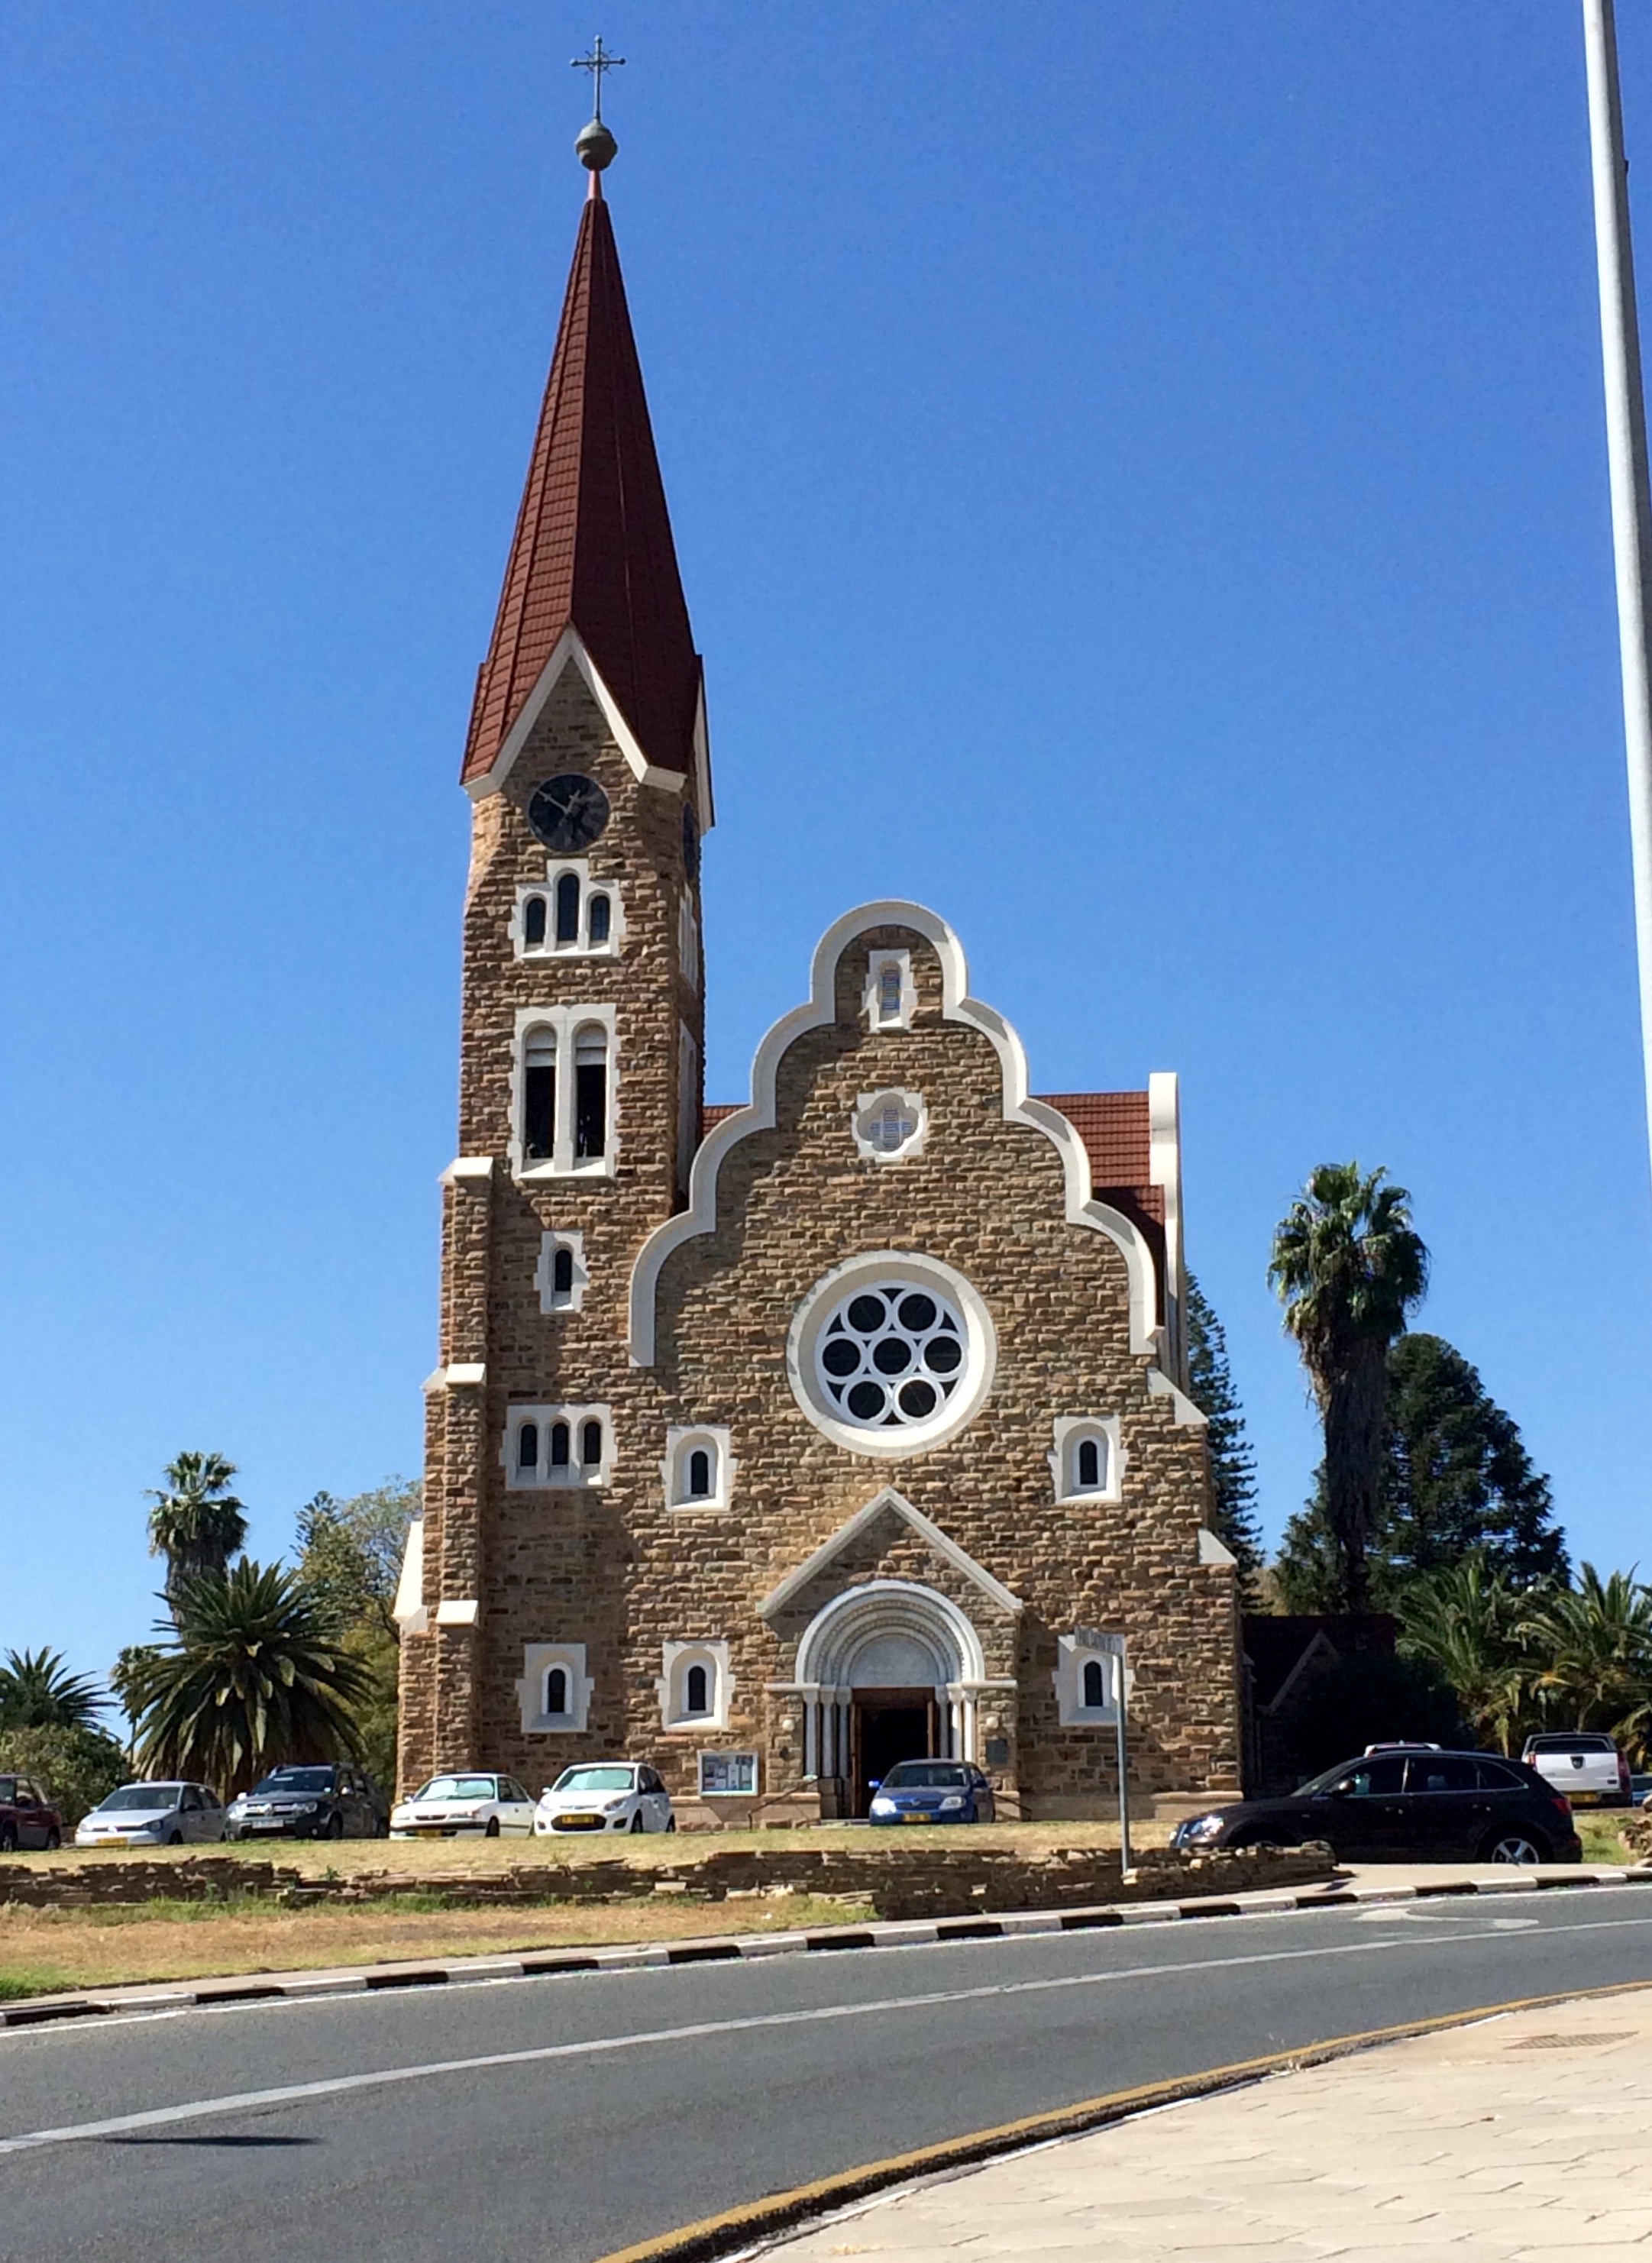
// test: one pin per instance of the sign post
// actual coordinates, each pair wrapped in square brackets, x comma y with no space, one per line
[1113,1646]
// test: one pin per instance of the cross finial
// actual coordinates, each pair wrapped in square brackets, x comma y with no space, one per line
[596,62]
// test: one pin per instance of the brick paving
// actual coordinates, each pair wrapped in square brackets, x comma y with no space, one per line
[1522,2138]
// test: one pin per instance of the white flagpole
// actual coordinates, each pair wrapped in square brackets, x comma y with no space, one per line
[1627,457]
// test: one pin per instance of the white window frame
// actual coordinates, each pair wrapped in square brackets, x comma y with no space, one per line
[880,961]
[680,1445]
[906,1268]
[578,1476]
[564,1023]
[676,1658]
[868,1104]
[1071,1432]
[1073,1652]
[544,1272]
[582,946]
[538,1660]
[706,1760]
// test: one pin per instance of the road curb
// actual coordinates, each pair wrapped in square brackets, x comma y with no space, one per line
[745,2230]
[893,1932]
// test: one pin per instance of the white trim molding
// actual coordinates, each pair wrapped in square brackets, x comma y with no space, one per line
[1214,1551]
[933,1537]
[954,1409]
[1073,1431]
[458,1611]
[408,1610]
[1075,1652]
[677,1660]
[565,1024]
[553,1299]
[569,650]
[539,1659]
[820,1012]
[681,1446]
[1164,1170]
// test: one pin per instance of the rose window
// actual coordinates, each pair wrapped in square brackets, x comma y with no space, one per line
[891,1355]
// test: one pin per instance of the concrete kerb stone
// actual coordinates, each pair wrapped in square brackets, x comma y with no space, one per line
[879,1934]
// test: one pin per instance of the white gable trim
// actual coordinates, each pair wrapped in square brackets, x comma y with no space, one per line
[931,1535]
[957,1005]
[569,651]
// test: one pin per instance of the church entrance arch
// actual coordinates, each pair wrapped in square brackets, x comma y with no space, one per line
[887,1670]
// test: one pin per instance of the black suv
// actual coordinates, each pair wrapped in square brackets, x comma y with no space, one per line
[1405,1807]
[324,1799]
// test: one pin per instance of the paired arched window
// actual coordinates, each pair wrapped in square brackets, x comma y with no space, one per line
[591,1093]
[556,1446]
[566,1090]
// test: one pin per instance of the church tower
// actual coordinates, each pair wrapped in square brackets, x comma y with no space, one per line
[582,1024]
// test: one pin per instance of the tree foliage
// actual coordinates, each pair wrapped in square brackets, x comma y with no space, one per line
[350,1553]
[79,1766]
[256,1674]
[1233,1468]
[37,1691]
[196,1523]
[1349,1267]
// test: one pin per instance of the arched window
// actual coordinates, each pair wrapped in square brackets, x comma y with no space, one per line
[562,1271]
[597,920]
[889,993]
[533,923]
[568,909]
[697,1691]
[1095,1685]
[556,1691]
[1089,1465]
[539,1096]
[699,1473]
[590,1444]
[590,1093]
[559,1445]
[528,1446]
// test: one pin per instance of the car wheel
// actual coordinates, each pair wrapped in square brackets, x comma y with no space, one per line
[8,1840]
[54,1840]
[334,1827]
[175,1839]
[670,1823]
[492,1831]
[1513,1846]
[636,1821]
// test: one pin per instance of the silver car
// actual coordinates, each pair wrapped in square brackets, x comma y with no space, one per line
[154,1815]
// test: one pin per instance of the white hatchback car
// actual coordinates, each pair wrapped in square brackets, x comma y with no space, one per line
[495,1806]
[605,1795]
[154,1815]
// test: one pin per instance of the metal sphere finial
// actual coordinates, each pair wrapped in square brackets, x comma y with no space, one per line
[595,147]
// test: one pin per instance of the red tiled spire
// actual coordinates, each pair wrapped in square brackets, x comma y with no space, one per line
[593,546]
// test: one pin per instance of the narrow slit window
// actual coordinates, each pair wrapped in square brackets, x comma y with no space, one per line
[1095,1685]
[559,1445]
[1089,1466]
[598,921]
[539,1097]
[590,1095]
[568,909]
[699,1474]
[533,923]
[696,1690]
[590,1444]
[556,1691]
[562,1272]
[528,1446]
[889,993]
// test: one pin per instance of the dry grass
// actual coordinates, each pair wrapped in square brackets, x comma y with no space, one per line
[44,1950]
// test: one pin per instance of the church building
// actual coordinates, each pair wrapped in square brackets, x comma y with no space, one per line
[772,1441]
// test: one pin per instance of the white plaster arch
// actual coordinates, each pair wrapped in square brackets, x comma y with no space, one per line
[880,1609]
[819,1012]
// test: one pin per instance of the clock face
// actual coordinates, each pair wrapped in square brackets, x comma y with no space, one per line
[568,813]
[691,842]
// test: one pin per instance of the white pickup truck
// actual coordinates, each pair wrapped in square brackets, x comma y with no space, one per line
[1583,1764]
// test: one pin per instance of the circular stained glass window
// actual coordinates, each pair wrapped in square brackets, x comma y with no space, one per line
[891,1355]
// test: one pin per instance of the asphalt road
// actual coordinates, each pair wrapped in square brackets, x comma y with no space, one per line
[558,2119]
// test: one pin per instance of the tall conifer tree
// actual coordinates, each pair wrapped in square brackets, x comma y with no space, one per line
[1232,1463]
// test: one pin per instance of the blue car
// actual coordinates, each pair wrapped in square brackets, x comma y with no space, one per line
[933,1791]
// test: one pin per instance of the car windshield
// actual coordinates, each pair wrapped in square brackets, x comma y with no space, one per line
[142,1798]
[296,1779]
[594,1779]
[458,1787]
[926,1776]
[1383,1774]
[1582,1744]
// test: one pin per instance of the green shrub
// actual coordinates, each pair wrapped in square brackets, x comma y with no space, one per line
[77,1768]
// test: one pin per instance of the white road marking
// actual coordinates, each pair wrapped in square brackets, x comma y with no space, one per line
[338,2086]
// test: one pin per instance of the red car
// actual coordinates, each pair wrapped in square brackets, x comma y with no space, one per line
[27,1817]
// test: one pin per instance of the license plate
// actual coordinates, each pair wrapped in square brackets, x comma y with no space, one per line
[266,1823]
[914,1818]
[1585,1798]
[579,1822]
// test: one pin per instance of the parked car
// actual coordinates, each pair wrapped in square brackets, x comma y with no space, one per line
[27,1817]
[1641,1790]
[154,1815]
[933,1791]
[1412,1807]
[1582,1763]
[494,1806]
[326,1800]
[605,1795]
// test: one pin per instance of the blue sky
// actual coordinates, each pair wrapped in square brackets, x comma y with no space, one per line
[1139,475]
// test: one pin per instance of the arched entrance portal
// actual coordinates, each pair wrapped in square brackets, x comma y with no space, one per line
[888,1672]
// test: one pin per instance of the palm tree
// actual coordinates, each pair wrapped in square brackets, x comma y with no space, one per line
[1349,1267]
[1469,1623]
[37,1691]
[198,1524]
[1596,1640]
[254,1675]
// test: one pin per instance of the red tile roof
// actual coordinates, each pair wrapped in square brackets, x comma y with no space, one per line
[593,545]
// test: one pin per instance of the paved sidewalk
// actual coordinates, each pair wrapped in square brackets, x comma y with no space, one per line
[1522,2138]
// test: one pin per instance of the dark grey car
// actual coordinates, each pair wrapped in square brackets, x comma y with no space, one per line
[323,1799]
